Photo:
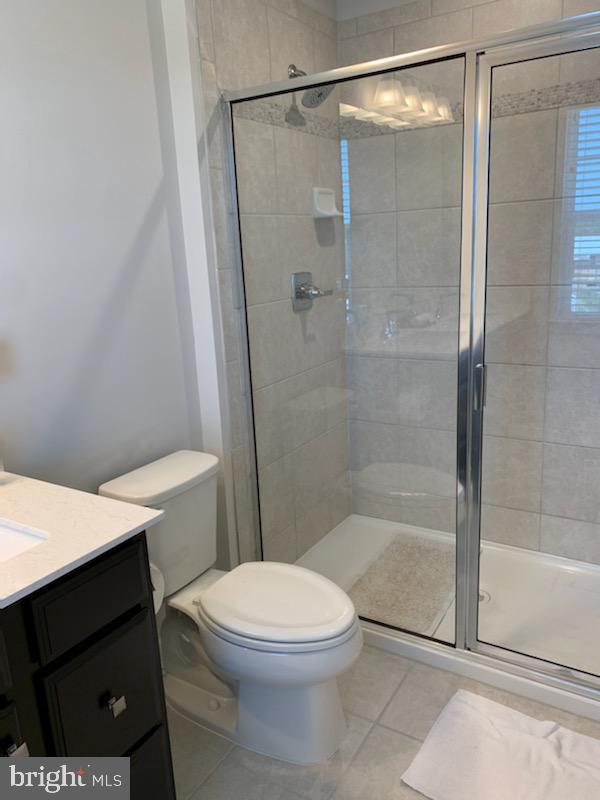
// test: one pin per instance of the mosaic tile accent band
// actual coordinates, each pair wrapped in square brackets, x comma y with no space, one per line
[273,112]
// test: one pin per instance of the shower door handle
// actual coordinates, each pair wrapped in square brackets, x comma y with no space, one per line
[479,387]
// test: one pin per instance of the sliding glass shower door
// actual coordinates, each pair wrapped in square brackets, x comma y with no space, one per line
[540,484]
[350,216]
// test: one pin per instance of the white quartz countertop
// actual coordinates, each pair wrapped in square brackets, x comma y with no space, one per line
[80,526]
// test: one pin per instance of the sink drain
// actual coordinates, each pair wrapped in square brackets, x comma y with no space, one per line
[484,597]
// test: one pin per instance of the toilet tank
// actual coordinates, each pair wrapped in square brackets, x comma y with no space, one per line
[183,544]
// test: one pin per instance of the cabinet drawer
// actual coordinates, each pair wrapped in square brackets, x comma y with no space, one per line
[151,770]
[124,666]
[82,603]
[10,733]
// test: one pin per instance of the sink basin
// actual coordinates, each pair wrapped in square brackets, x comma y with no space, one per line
[16,539]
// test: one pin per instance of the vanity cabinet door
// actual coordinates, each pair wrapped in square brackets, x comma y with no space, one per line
[151,770]
[108,698]
[10,732]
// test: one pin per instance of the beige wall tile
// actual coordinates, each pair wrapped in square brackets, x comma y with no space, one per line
[235,24]
[571,480]
[205,30]
[581,66]
[237,404]
[284,343]
[231,330]
[515,396]
[512,473]
[509,526]
[430,511]
[574,7]
[429,247]
[277,496]
[276,246]
[244,511]
[507,14]
[297,160]
[447,6]
[524,76]
[517,325]
[325,53]
[281,548]
[409,12]
[316,521]
[317,467]
[255,159]
[573,407]
[430,32]
[429,167]
[408,322]
[417,459]
[570,539]
[290,42]
[573,339]
[357,49]
[520,243]
[346,28]
[293,411]
[372,164]
[522,156]
[408,392]
[372,254]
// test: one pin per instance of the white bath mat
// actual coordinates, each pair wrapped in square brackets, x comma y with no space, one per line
[482,750]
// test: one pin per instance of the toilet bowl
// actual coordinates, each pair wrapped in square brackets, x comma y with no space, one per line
[282,650]
[253,653]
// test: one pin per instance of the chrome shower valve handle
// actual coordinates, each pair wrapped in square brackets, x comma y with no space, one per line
[304,291]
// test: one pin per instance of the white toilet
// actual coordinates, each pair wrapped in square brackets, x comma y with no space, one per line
[253,652]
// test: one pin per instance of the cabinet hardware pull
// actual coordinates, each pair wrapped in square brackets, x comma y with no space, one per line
[117,705]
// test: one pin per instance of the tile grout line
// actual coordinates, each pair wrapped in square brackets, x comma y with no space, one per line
[215,767]
[395,692]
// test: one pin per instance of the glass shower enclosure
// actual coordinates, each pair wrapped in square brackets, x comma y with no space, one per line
[420,255]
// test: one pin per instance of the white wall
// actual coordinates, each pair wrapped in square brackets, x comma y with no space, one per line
[97,368]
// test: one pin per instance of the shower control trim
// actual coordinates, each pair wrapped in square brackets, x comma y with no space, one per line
[304,292]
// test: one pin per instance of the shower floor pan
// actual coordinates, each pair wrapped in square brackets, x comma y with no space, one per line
[541,605]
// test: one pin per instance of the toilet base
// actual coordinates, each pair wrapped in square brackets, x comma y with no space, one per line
[202,705]
[304,725]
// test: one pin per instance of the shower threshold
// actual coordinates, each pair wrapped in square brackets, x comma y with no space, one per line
[530,602]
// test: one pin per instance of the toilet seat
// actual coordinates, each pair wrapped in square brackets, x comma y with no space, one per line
[277,607]
[276,647]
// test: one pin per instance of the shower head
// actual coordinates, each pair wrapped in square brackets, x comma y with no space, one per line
[314,97]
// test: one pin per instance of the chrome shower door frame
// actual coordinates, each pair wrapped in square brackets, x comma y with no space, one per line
[568,35]
[554,674]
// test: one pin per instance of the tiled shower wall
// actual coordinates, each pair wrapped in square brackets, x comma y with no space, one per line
[428,23]
[298,370]
[404,261]
[541,445]
[541,456]
[246,43]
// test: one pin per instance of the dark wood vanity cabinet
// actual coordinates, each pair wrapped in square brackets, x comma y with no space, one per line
[80,670]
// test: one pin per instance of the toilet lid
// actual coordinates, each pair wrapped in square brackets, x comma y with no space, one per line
[278,603]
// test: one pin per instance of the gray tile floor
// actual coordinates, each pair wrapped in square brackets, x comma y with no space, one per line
[390,703]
